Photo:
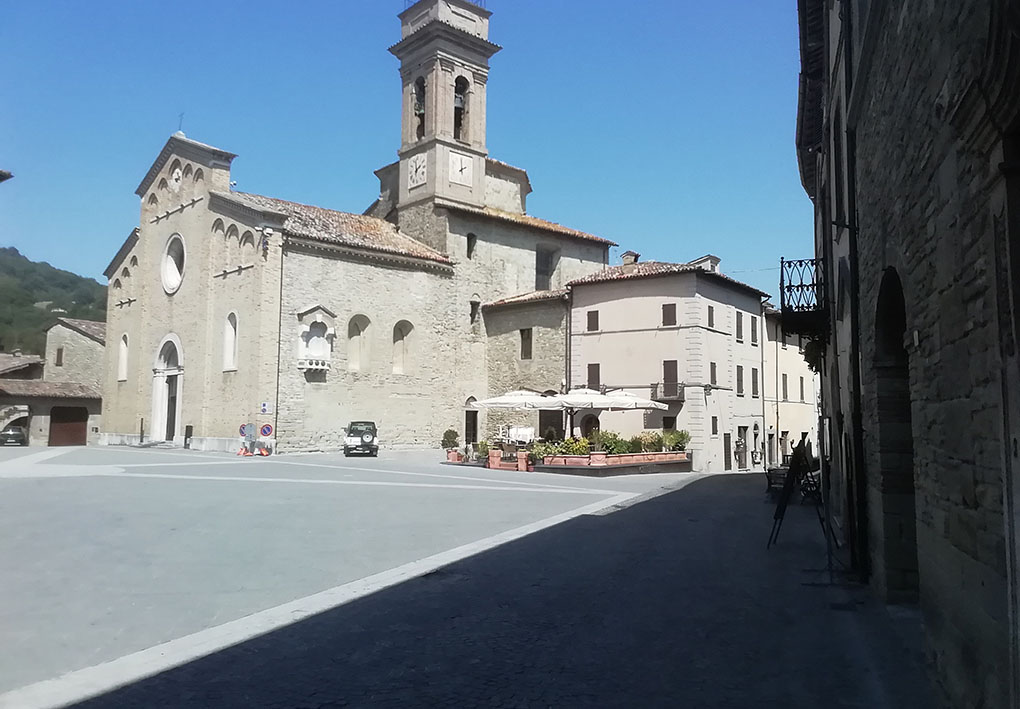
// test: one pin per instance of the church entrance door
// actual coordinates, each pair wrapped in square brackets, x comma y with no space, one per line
[167,373]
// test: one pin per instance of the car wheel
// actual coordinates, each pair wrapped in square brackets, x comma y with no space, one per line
[347,453]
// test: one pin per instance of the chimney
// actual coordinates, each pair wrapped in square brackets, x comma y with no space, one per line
[630,258]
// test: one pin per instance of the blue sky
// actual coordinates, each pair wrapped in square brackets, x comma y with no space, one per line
[666,126]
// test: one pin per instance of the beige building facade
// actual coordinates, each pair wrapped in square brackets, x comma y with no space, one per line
[791,393]
[683,334]
[229,308]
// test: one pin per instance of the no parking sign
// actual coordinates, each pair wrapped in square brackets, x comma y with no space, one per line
[266,430]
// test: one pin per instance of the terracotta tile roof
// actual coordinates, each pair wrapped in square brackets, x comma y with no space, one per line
[12,363]
[528,221]
[533,297]
[57,390]
[652,269]
[90,328]
[342,228]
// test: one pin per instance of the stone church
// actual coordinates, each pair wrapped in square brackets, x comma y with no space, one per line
[227,308]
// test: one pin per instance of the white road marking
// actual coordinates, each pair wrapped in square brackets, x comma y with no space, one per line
[81,684]
[371,483]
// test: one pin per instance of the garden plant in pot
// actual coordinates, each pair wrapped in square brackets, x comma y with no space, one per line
[451,443]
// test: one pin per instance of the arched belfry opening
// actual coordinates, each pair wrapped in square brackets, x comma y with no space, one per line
[896,561]
[419,108]
[460,106]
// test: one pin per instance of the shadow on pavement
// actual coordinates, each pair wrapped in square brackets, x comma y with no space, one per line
[673,602]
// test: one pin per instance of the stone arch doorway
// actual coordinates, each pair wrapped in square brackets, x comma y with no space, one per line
[894,561]
[470,422]
[167,380]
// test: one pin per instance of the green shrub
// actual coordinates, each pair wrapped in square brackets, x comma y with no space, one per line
[450,439]
[636,444]
[551,434]
[576,446]
[541,450]
[483,449]
[651,441]
[609,442]
[676,440]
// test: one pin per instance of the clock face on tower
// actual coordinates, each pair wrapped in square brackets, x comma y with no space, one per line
[417,170]
[460,169]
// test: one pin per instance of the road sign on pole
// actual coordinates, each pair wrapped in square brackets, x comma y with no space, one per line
[266,430]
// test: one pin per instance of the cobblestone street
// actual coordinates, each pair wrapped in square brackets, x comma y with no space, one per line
[671,602]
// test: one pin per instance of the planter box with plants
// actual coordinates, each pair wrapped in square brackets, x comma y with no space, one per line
[607,449]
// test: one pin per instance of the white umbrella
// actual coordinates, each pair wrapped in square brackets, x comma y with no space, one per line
[591,399]
[521,399]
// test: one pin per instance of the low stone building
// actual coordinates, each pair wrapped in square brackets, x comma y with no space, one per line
[908,138]
[227,308]
[58,399]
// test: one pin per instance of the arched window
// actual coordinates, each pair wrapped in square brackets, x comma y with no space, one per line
[357,343]
[401,347]
[217,227]
[125,273]
[232,233]
[187,171]
[163,184]
[230,343]
[472,241]
[153,200]
[134,261]
[419,107]
[199,175]
[116,284]
[122,359]
[460,105]
[248,239]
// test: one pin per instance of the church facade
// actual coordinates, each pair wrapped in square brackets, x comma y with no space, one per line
[228,308]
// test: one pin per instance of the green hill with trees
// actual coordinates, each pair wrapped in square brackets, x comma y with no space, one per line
[30,292]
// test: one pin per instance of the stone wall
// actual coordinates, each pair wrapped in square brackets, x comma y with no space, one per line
[82,361]
[930,196]
[508,372]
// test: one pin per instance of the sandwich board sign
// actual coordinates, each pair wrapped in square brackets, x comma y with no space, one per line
[248,431]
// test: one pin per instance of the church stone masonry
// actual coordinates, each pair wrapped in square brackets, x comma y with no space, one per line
[227,307]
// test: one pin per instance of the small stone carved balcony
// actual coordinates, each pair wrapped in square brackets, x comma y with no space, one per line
[668,391]
[803,304]
[306,364]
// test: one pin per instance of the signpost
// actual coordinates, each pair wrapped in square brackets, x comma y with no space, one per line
[267,430]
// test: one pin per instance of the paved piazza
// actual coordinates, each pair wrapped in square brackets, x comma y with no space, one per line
[120,563]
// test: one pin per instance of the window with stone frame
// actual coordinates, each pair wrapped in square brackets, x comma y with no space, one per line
[545,267]
[712,374]
[460,108]
[594,377]
[711,316]
[785,391]
[754,331]
[593,320]
[740,326]
[419,108]
[59,362]
[715,425]
[754,382]
[526,342]
[740,380]
[802,388]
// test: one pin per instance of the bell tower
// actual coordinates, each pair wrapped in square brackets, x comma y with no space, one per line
[444,55]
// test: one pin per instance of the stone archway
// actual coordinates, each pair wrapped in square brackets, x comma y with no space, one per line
[167,381]
[894,560]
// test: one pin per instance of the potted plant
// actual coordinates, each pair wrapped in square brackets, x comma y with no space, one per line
[451,443]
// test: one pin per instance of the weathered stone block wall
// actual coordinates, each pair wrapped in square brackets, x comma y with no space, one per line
[83,358]
[508,372]
[927,196]
[412,408]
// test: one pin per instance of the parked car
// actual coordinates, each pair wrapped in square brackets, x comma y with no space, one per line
[361,437]
[14,434]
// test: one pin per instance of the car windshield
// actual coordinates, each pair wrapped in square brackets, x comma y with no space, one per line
[361,427]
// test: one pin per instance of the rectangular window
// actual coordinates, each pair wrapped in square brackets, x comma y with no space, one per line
[593,320]
[60,357]
[669,423]
[669,378]
[785,396]
[711,316]
[711,375]
[668,314]
[526,336]
[594,377]
[754,381]
[740,380]
[545,267]
[715,425]
[754,330]
[740,327]
[802,388]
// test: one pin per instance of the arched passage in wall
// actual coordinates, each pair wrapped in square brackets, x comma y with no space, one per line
[895,477]
[357,343]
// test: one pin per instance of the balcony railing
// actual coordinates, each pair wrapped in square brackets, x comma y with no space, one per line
[305,364]
[668,391]
[802,296]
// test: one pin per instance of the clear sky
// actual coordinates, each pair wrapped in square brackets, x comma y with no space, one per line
[664,125]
